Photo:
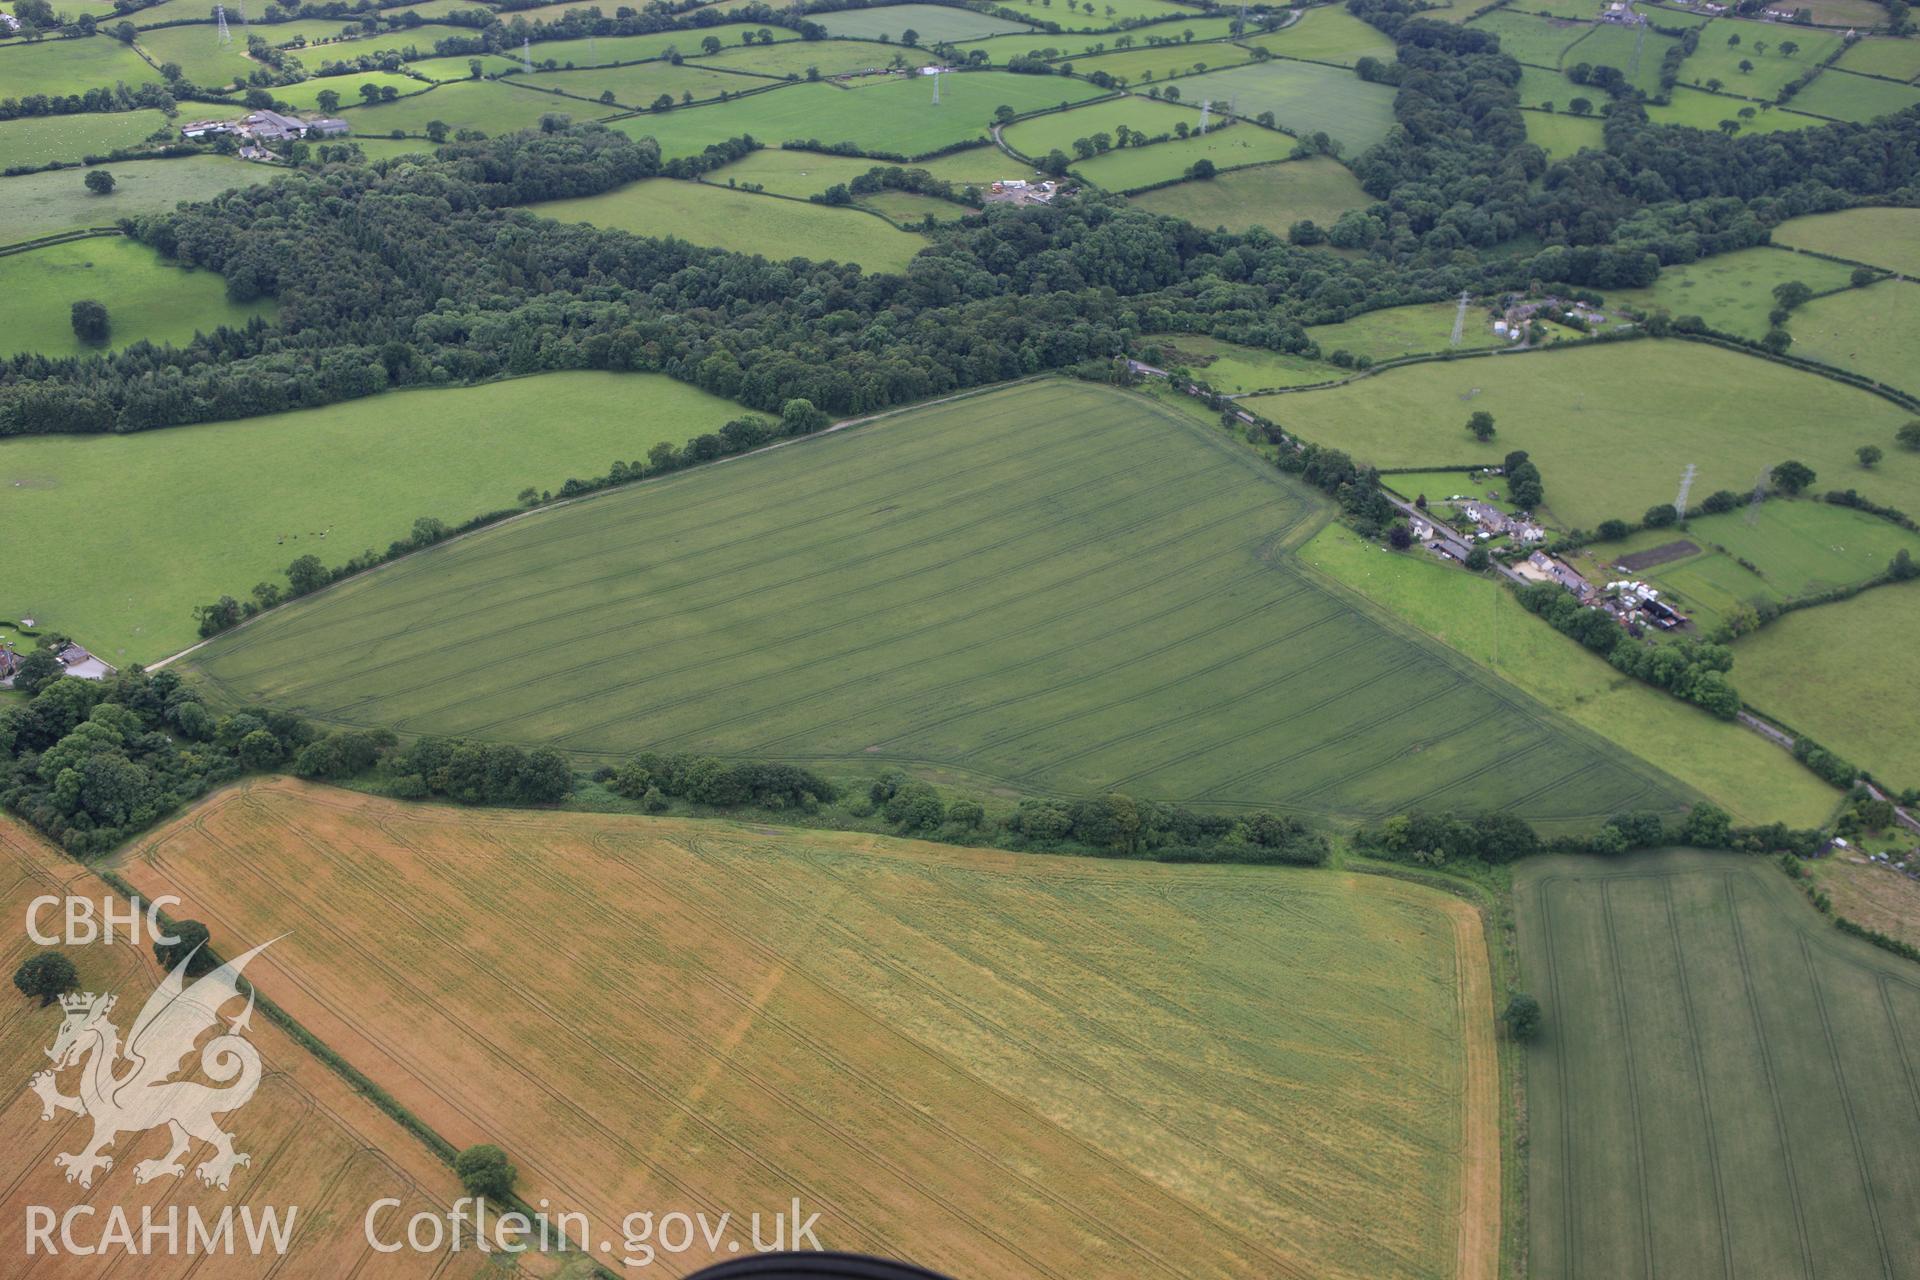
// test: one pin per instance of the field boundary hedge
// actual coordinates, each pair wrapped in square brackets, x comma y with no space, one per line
[64,237]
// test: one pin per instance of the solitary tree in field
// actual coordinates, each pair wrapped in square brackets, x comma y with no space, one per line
[485,1171]
[1909,435]
[191,934]
[1869,454]
[1746,67]
[1522,1016]
[1788,48]
[100,182]
[710,45]
[90,322]
[329,100]
[46,977]
[1480,422]
[1790,477]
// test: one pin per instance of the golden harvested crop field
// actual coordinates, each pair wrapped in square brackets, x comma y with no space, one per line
[316,1146]
[998,1065]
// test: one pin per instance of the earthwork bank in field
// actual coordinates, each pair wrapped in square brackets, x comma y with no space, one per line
[999,1066]
[1053,588]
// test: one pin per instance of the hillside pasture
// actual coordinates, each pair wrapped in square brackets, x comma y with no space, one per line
[829,57]
[1479,618]
[1885,238]
[1392,332]
[305,96]
[1141,67]
[459,67]
[1716,59]
[634,87]
[1055,588]
[140,511]
[43,204]
[1636,51]
[1303,1086]
[1526,38]
[147,298]
[703,213]
[1327,34]
[1561,135]
[36,140]
[1895,58]
[1619,423]
[1274,196]
[1107,15]
[320,1152]
[491,106]
[1856,98]
[1842,673]
[1058,129]
[604,51]
[58,67]
[1869,331]
[808,173]
[197,51]
[1733,292]
[1135,167]
[1304,97]
[1067,44]
[897,116]
[931,23]
[1724,1085]
[1698,109]
[1233,368]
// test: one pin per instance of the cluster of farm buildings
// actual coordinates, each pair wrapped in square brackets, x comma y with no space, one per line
[1021,191]
[260,127]
[74,661]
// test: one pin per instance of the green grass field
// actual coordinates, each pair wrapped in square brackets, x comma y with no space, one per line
[897,116]
[1883,56]
[1236,145]
[805,173]
[460,68]
[1328,34]
[1847,13]
[600,51]
[1144,66]
[1856,98]
[1843,673]
[305,96]
[1734,291]
[1094,48]
[976,166]
[829,57]
[156,522]
[1527,38]
[636,86]
[1561,135]
[930,22]
[1698,109]
[1393,332]
[1887,238]
[38,140]
[1613,427]
[493,107]
[1636,51]
[1103,15]
[1304,98]
[1540,87]
[1234,369]
[909,208]
[1480,619]
[1723,1086]
[1042,134]
[147,298]
[712,215]
[1798,547]
[1866,330]
[1055,588]
[43,204]
[1715,59]
[1274,196]
[58,67]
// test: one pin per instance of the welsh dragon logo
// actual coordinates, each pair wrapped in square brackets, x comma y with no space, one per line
[126,1089]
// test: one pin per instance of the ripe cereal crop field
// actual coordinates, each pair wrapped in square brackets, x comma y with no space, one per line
[1057,588]
[317,1147]
[1058,1064]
